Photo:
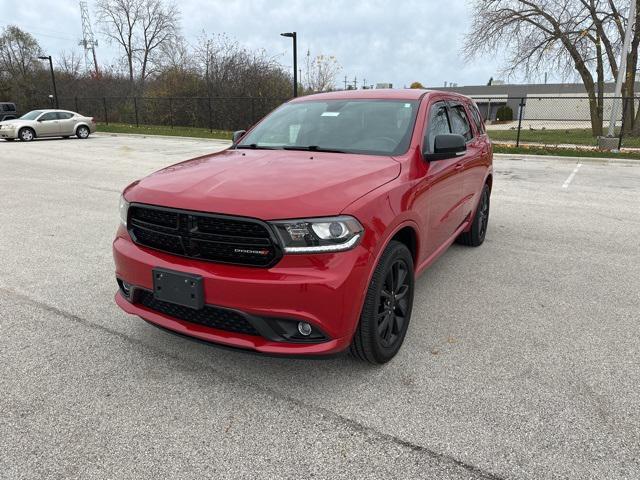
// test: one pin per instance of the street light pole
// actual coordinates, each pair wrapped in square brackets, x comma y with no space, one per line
[295,60]
[53,78]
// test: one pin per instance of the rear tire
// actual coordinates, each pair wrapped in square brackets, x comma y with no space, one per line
[26,134]
[82,132]
[475,236]
[387,307]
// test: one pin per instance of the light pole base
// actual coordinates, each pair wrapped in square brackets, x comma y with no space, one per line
[608,143]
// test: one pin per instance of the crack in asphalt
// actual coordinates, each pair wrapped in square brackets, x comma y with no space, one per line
[322,411]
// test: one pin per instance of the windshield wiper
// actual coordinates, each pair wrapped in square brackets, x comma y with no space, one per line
[255,146]
[313,148]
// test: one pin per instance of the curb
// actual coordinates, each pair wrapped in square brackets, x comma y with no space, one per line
[568,159]
[150,135]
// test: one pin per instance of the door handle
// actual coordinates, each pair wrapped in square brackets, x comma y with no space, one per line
[459,166]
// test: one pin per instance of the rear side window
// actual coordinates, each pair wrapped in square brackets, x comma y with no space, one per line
[8,107]
[477,118]
[64,115]
[438,124]
[459,121]
[48,116]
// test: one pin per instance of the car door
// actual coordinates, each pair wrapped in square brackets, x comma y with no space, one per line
[67,122]
[476,164]
[472,158]
[439,190]
[48,125]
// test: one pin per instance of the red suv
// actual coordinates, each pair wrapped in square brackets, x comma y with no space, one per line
[305,236]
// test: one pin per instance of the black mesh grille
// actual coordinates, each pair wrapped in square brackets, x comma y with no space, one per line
[215,238]
[209,316]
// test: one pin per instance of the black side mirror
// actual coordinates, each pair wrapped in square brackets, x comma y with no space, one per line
[449,145]
[237,135]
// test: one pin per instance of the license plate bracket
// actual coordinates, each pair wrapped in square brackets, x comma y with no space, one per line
[184,289]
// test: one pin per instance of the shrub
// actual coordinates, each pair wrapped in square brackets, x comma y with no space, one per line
[504,113]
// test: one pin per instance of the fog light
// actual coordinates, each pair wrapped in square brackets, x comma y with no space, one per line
[126,288]
[304,328]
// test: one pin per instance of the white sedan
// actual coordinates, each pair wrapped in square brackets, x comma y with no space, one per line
[47,123]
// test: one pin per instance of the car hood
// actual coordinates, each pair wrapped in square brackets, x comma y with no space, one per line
[14,121]
[266,184]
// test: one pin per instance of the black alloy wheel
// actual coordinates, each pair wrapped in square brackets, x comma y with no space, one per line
[478,230]
[393,303]
[387,307]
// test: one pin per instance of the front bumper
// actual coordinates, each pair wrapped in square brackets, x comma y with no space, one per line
[8,133]
[324,290]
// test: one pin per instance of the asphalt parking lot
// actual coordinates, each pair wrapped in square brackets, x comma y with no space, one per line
[522,359]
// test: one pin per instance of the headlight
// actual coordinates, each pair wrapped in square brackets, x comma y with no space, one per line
[124,210]
[319,235]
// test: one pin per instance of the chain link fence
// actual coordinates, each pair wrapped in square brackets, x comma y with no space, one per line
[213,113]
[543,121]
[560,121]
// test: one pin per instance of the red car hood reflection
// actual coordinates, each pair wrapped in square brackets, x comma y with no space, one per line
[267,184]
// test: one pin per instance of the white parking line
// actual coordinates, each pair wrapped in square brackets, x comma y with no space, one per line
[573,174]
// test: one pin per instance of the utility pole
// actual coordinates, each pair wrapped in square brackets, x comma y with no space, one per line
[345,82]
[623,67]
[355,82]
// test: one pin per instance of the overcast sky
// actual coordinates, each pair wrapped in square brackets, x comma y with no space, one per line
[397,41]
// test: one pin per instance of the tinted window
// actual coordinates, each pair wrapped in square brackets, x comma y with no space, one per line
[477,118]
[438,124]
[377,127]
[48,116]
[459,122]
[8,107]
[64,115]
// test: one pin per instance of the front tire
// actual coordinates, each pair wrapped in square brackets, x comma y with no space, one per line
[26,134]
[82,132]
[475,236]
[387,307]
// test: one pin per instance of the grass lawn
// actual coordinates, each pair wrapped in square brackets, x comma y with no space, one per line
[564,152]
[530,150]
[574,136]
[162,130]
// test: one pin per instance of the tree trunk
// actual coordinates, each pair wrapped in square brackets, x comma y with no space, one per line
[596,114]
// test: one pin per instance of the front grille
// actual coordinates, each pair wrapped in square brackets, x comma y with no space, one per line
[203,236]
[209,316]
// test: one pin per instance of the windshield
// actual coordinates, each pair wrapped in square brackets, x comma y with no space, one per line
[377,127]
[32,115]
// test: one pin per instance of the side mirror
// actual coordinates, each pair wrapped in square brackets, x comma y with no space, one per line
[237,135]
[446,146]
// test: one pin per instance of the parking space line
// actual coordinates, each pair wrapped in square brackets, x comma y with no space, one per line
[573,174]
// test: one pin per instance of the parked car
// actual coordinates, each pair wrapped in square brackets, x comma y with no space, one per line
[306,236]
[7,111]
[47,123]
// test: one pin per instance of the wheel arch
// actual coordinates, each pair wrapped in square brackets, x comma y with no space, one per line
[81,124]
[489,181]
[35,134]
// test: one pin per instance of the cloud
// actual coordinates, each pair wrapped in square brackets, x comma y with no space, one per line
[381,41]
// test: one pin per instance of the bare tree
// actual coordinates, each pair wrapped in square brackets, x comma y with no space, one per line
[320,72]
[70,64]
[141,28]
[570,37]
[231,70]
